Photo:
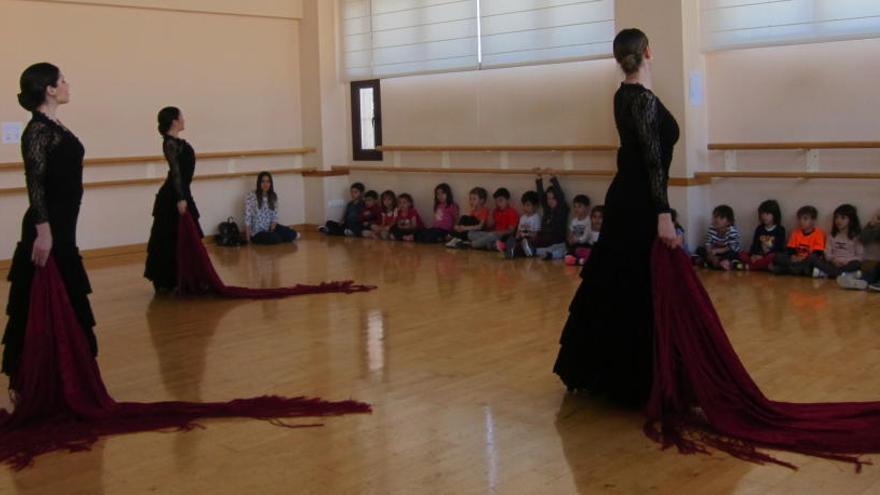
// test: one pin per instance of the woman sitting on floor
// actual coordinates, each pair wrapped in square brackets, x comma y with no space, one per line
[261,214]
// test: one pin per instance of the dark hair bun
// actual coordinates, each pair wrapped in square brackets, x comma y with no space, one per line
[33,83]
[166,117]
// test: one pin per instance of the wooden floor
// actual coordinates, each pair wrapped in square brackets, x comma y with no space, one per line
[455,352]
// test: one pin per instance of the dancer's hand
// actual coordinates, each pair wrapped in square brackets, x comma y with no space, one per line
[181,206]
[42,245]
[666,231]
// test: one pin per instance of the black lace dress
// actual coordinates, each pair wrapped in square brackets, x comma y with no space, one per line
[607,342]
[53,162]
[161,265]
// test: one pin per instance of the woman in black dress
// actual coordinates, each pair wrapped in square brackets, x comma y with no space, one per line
[53,162]
[173,199]
[606,346]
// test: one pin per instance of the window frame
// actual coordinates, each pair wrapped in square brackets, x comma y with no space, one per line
[358,151]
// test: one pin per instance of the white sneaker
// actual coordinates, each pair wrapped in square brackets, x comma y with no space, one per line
[817,273]
[848,281]
[453,243]
[348,233]
[527,248]
[297,236]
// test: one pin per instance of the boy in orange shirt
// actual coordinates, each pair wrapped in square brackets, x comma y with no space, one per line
[805,245]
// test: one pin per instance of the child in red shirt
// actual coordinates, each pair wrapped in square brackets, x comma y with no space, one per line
[408,222]
[502,222]
[387,217]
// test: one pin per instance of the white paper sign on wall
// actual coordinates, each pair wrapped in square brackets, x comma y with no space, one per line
[11,132]
[695,88]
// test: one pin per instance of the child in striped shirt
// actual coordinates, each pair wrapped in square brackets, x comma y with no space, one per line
[722,246]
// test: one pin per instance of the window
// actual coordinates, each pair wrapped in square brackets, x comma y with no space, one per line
[384,38]
[747,23]
[518,32]
[366,120]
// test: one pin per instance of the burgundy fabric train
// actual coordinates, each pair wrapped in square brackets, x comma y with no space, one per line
[196,274]
[61,402]
[702,396]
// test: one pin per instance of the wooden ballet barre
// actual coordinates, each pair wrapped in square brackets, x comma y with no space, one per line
[344,169]
[159,180]
[787,175]
[490,171]
[209,155]
[496,148]
[803,145]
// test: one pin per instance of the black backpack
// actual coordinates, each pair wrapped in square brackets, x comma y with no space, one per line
[228,234]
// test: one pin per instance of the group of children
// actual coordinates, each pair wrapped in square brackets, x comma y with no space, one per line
[851,254]
[543,229]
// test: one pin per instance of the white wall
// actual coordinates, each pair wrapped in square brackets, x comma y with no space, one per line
[812,92]
[236,78]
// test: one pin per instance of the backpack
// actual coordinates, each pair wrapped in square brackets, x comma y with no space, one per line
[228,234]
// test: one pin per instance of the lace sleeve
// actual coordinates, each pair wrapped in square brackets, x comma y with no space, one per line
[36,145]
[646,117]
[250,210]
[172,149]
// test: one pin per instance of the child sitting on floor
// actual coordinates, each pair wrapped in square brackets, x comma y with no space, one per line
[478,219]
[869,276]
[805,246]
[843,251]
[408,223]
[370,214]
[721,248]
[529,226]
[387,217]
[769,239]
[502,222]
[349,226]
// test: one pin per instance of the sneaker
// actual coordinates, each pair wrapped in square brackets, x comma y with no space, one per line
[817,273]
[738,265]
[348,233]
[875,287]
[527,248]
[510,252]
[322,229]
[570,260]
[453,243]
[848,281]
[296,236]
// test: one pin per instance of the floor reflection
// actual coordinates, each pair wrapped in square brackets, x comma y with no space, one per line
[181,330]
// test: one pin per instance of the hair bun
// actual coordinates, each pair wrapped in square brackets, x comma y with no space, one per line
[27,102]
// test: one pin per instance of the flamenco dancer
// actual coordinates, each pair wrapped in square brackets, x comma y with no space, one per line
[177,260]
[173,200]
[643,332]
[59,399]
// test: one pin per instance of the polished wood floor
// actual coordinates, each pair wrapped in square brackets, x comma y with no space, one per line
[454,351]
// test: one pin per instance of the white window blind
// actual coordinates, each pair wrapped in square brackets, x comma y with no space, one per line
[396,37]
[519,32]
[746,23]
[384,38]
[357,39]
